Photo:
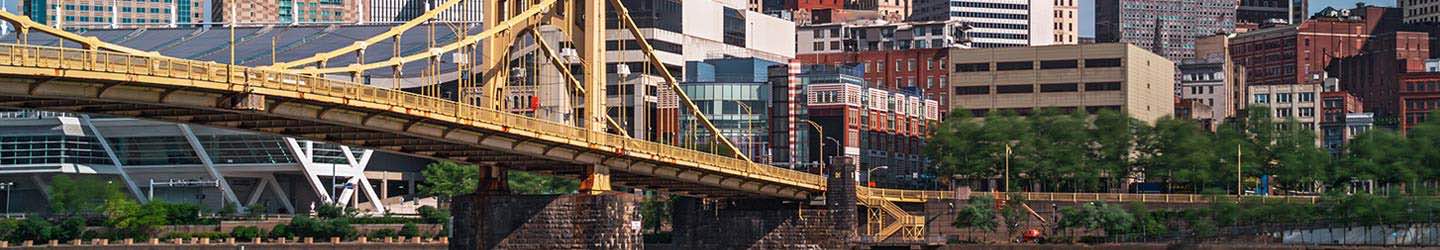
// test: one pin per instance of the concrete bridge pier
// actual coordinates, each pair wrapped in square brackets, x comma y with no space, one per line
[494,218]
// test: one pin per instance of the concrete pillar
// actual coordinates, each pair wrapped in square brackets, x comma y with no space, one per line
[840,198]
[497,220]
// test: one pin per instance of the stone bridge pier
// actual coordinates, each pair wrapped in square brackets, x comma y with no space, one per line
[494,218]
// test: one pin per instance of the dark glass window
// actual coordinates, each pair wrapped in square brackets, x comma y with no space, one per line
[614,45]
[1058,87]
[1004,66]
[1102,63]
[1011,89]
[662,14]
[1102,86]
[972,67]
[1059,64]
[734,27]
[972,90]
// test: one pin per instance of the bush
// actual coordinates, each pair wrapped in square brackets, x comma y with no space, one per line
[334,212]
[246,232]
[387,219]
[310,227]
[178,235]
[281,231]
[409,230]
[382,233]
[35,229]
[69,229]
[433,215]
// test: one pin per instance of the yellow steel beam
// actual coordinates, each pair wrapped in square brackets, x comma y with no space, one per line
[90,42]
[526,16]
[394,31]
[624,16]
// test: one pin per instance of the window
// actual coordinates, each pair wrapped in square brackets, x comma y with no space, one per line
[1058,87]
[819,34]
[1012,89]
[1262,98]
[734,27]
[1284,112]
[1307,112]
[972,67]
[1102,86]
[1307,97]
[1102,63]
[972,90]
[1059,64]
[819,46]
[1282,97]
[1006,66]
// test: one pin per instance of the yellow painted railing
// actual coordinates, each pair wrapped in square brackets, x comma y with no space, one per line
[190,73]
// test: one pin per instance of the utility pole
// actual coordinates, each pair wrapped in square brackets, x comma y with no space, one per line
[1007,168]
[1239,191]
[7,186]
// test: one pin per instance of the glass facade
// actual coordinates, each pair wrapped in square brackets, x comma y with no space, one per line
[737,109]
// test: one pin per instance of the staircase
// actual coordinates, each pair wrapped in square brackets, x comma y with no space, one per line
[885,219]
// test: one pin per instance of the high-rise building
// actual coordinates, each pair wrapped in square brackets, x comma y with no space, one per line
[399,11]
[1066,16]
[114,13]
[1420,11]
[1088,77]
[682,31]
[878,35]
[1268,11]
[1166,27]
[909,56]
[285,12]
[734,93]
[1000,23]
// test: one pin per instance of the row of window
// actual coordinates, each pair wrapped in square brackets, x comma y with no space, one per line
[1285,97]
[990,5]
[1026,111]
[1030,65]
[1287,112]
[1000,26]
[989,15]
[999,35]
[1030,88]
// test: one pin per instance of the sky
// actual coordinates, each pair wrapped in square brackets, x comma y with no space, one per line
[1087,11]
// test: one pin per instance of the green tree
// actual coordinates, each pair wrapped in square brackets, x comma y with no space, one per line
[81,195]
[447,179]
[1379,155]
[1297,164]
[1181,151]
[1114,138]
[522,182]
[130,219]
[1006,128]
[979,213]
[1061,146]
[1424,144]
[957,150]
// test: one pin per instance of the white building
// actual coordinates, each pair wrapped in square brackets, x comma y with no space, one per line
[996,23]
[1420,11]
[400,11]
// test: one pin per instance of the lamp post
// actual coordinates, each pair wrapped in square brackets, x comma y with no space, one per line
[1007,168]
[7,186]
[870,175]
[749,129]
[820,131]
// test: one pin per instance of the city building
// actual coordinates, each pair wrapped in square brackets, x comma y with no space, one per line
[734,93]
[878,35]
[400,11]
[1165,27]
[285,11]
[1374,74]
[113,13]
[890,9]
[1213,79]
[1066,16]
[909,56]
[879,127]
[1342,117]
[174,163]
[1087,77]
[1420,11]
[1292,54]
[1268,11]
[1001,23]
[682,31]
[1432,65]
[1419,96]
[1300,102]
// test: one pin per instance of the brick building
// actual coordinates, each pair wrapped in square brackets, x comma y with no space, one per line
[114,14]
[1342,118]
[1374,75]
[910,56]
[285,11]
[1292,54]
[1419,96]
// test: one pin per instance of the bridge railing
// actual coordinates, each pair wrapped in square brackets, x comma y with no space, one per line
[246,79]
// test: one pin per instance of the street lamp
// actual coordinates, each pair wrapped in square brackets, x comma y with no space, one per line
[6,186]
[870,175]
[749,129]
[821,133]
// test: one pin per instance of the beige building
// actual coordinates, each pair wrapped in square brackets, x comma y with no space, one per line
[285,11]
[113,14]
[1067,77]
[1066,16]
[1299,101]
[889,9]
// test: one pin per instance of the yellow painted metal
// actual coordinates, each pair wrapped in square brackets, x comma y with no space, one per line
[629,24]
[393,32]
[128,69]
[524,17]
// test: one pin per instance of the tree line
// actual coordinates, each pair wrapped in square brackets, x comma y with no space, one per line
[1055,151]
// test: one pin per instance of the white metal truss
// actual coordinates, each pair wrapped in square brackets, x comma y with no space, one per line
[280,193]
[114,159]
[306,158]
[359,180]
[210,166]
